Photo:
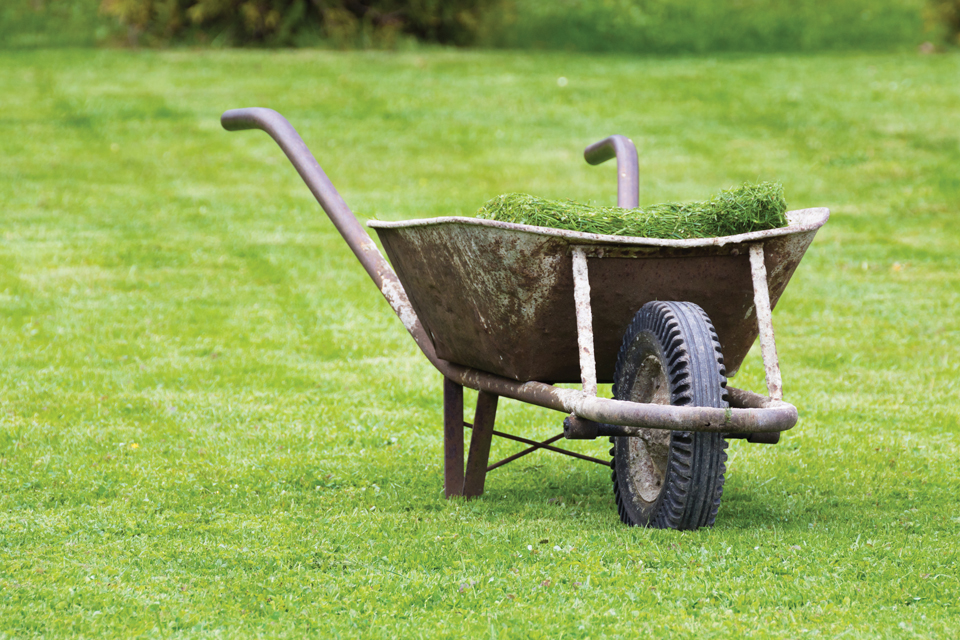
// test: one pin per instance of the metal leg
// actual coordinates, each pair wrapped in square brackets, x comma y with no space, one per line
[761,302]
[483,422]
[452,438]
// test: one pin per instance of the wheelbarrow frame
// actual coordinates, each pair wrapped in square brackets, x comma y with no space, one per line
[752,416]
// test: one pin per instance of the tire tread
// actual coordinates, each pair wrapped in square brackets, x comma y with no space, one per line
[693,483]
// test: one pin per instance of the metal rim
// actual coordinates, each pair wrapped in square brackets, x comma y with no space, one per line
[801,220]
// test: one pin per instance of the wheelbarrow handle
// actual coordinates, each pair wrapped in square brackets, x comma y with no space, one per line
[628,167]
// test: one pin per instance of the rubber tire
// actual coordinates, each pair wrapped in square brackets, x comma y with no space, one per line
[679,338]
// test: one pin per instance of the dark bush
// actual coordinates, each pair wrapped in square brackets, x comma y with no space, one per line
[629,26]
[298,22]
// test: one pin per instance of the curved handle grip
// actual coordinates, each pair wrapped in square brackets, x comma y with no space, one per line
[252,118]
[628,167]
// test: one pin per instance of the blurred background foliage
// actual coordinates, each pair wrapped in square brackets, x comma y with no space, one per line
[628,26]
[349,23]
[942,18]
[224,23]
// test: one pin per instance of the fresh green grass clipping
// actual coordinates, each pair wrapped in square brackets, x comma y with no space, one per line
[750,207]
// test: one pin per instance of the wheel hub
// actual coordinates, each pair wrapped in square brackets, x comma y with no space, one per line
[649,452]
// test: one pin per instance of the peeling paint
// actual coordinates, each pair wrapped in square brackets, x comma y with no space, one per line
[581,297]
[768,345]
[393,291]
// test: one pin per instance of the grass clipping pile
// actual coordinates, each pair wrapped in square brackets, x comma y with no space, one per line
[743,209]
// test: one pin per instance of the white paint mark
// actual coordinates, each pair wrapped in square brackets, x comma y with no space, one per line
[761,300]
[397,297]
[581,296]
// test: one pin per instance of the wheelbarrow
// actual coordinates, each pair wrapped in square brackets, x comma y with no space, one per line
[512,310]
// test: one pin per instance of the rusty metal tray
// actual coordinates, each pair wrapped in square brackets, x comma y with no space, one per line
[499,297]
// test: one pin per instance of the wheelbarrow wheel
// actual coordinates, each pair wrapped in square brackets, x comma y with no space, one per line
[670,479]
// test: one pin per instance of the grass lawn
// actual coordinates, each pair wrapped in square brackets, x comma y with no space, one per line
[211,424]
